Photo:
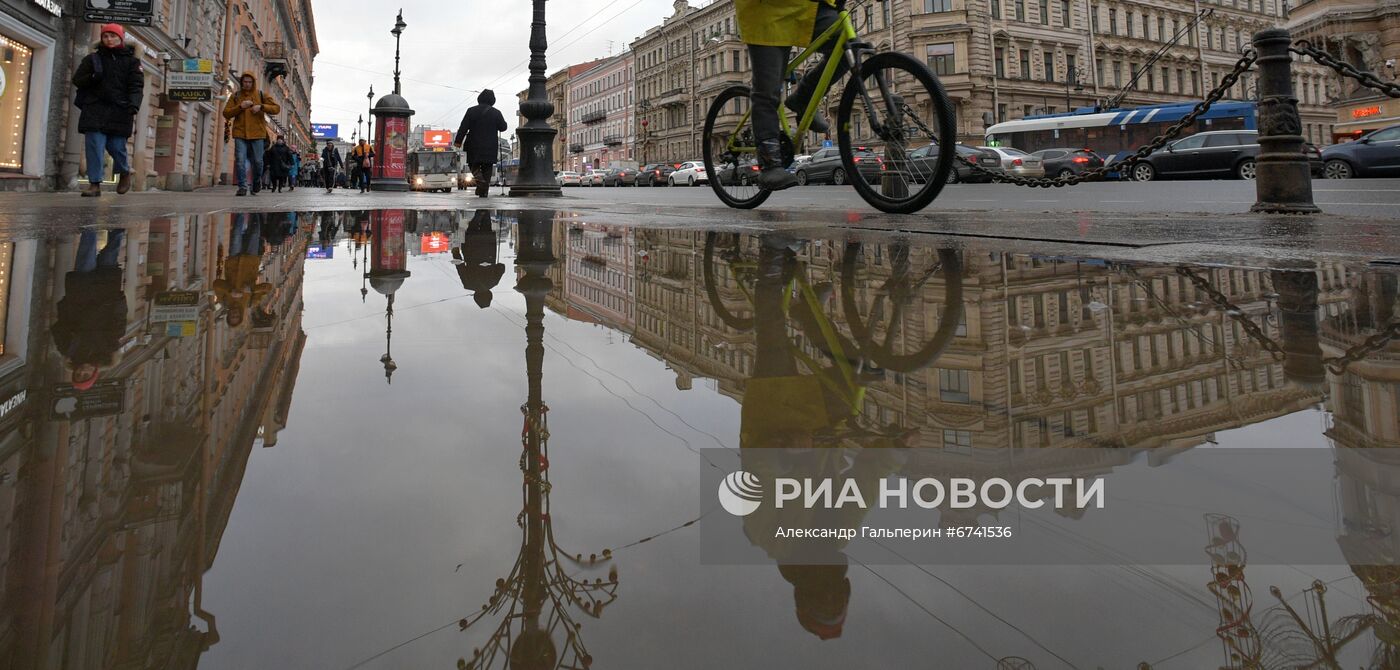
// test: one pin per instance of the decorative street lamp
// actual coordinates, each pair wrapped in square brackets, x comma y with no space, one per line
[358,121]
[536,174]
[369,102]
[1078,88]
[391,130]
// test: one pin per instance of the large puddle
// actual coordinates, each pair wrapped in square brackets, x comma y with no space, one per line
[448,439]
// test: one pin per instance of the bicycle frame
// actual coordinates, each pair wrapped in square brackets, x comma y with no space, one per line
[842,32]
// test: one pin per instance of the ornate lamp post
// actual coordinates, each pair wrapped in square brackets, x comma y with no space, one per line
[358,121]
[369,102]
[536,176]
[391,132]
[1078,88]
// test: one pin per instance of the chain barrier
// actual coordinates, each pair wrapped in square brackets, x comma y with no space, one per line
[1339,364]
[1250,328]
[1305,48]
[1227,82]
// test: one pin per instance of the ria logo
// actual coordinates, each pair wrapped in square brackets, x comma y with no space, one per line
[740,493]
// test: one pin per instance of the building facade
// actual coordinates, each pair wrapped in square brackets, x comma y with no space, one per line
[1365,34]
[600,114]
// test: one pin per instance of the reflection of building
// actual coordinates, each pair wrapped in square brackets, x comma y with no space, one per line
[111,514]
[599,275]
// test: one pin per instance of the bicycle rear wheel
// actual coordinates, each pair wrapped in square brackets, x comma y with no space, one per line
[730,151]
[911,118]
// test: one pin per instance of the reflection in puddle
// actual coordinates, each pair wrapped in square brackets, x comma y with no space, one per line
[142,365]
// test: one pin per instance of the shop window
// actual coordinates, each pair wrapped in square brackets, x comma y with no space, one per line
[14,101]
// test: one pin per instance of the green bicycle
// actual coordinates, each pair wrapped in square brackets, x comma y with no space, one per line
[892,102]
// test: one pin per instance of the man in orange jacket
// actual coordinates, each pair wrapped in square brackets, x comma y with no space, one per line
[247,112]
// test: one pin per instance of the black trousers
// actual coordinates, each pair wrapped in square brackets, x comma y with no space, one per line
[768,64]
[482,172]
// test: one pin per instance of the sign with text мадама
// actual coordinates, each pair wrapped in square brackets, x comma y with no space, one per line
[129,12]
[189,86]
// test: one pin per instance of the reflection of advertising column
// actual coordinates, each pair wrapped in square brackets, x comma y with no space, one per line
[14,76]
[392,115]
[388,269]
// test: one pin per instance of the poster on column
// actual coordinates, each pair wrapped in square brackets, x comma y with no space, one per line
[394,133]
[390,254]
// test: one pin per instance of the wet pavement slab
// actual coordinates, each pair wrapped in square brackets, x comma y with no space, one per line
[487,438]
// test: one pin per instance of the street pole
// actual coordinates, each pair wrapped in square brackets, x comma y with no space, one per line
[536,136]
[369,103]
[1283,181]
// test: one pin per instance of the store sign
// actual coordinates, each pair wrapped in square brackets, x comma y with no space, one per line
[189,86]
[181,329]
[105,398]
[437,138]
[325,131]
[12,404]
[1363,112]
[175,306]
[51,6]
[132,12]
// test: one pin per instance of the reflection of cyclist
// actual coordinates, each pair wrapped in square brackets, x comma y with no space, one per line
[92,313]
[771,28]
[811,424]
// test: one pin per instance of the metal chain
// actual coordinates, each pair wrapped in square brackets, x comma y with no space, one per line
[1245,62]
[1372,344]
[1250,328]
[1305,48]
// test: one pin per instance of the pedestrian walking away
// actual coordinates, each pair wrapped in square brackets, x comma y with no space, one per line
[246,111]
[771,28]
[478,136]
[279,163]
[110,85]
[330,165]
[361,158]
[295,172]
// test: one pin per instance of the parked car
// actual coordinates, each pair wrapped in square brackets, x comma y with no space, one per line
[925,160]
[594,177]
[1065,162]
[569,178]
[620,177]
[1376,154]
[746,173]
[689,173]
[1316,165]
[655,174]
[826,167]
[1217,153]
[1017,162]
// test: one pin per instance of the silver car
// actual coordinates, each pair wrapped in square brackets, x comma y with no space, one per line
[1017,162]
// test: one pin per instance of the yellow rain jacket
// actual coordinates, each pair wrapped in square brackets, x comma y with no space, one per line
[248,124]
[777,23]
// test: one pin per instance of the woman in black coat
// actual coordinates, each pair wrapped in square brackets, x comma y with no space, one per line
[479,135]
[110,84]
[279,163]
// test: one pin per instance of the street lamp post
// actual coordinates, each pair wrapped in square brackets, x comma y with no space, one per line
[536,176]
[369,103]
[391,141]
[358,122]
[1078,89]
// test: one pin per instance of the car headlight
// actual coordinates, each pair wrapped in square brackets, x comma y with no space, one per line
[418,181]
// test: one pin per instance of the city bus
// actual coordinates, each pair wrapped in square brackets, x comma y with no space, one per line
[1114,134]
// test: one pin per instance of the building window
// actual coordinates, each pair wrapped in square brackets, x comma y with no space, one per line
[934,6]
[1025,63]
[954,386]
[996,9]
[1166,80]
[1044,12]
[1071,71]
[1112,21]
[1049,66]
[1066,16]
[1195,83]
[1001,112]
[1098,67]
[1145,22]
[1161,29]
[1180,81]
[14,102]
[1020,10]
[957,440]
[940,58]
[1129,24]
[1001,61]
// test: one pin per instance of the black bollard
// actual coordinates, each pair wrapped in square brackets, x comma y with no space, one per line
[1283,179]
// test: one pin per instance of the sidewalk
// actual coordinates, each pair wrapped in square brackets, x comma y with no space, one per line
[1202,238]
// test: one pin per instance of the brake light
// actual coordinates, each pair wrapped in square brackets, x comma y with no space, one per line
[1016,161]
[1080,159]
[857,159]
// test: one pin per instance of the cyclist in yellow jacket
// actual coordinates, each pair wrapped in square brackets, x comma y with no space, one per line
[771,28]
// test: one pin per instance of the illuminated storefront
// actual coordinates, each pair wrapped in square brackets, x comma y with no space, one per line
[1359,118]
[14,101]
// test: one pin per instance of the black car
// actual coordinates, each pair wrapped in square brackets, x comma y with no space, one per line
[826,167]
[1064,162]
[745,175]
[620,177]
[1218,153]
[926,162]
[1376,154]
[655,174]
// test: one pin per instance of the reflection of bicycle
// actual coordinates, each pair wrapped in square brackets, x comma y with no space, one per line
[876,299]
[909,116]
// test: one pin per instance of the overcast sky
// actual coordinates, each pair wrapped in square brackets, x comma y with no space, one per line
[452,48]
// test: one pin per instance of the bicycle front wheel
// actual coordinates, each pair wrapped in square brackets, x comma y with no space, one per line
[730,151]
[897,106]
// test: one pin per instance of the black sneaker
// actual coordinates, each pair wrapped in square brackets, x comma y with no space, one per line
[242,191]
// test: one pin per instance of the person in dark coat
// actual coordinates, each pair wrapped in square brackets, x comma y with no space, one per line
[478,268]
[479,135]
[92,314]
[331,163]
[279,163]
[110,82]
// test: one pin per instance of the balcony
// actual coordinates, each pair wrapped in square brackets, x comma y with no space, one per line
[594,117]
[612,140]
[576,148]
[673,97]
[275,59]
